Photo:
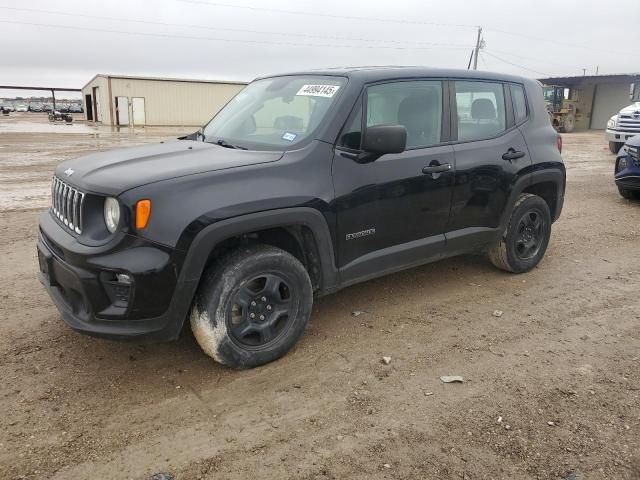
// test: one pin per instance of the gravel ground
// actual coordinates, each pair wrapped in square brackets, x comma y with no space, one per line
[551,386]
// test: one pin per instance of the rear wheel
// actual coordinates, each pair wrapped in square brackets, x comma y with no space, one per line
[614,147]
[525,240]
[252,306]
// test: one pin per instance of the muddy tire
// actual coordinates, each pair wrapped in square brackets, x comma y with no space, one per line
[524,242]
[629,194]
[569,123]
[614,147]
[252,306]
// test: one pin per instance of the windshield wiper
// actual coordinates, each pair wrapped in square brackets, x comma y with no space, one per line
[226,144]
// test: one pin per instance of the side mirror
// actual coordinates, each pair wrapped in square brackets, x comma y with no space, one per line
[383,139]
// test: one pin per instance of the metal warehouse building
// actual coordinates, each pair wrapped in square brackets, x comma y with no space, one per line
[137,101]
[597,97]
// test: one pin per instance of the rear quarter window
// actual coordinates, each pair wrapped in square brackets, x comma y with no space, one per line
[519,103]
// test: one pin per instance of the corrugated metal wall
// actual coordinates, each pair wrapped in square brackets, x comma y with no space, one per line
[103,99]
[176,103]
[167,102]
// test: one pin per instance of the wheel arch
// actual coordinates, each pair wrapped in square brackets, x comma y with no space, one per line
[301,231]
[547,183]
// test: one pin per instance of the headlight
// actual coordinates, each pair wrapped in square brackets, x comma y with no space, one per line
[622,163]
[613,121]
[111,213]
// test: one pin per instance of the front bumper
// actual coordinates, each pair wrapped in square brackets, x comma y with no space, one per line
[82,283]
[629,181]
[618,136]
[629,177]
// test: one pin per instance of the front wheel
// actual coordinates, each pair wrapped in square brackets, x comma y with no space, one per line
[569,123]
[628,194]
[524,242]
[614,147]
[252,306]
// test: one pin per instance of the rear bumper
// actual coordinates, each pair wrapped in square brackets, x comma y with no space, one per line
[619,136]
[82,283]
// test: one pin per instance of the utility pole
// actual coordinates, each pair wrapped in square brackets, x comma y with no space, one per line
[470,59]
[477,49]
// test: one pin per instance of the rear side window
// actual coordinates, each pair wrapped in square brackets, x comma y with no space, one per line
[519,103]
[417,105]
[481,110]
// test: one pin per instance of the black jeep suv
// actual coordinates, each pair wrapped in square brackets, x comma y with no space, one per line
[301,185]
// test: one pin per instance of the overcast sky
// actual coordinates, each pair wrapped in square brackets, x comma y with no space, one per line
[64,43]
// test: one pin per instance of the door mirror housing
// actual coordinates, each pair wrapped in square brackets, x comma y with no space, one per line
[382,139]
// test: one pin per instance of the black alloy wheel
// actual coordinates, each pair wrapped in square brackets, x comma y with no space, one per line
[260,310]
[531,234]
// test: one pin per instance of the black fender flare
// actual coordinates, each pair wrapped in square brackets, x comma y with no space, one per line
[555,175]
[212,235]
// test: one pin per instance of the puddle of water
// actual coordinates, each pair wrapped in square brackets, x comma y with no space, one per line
[35,127]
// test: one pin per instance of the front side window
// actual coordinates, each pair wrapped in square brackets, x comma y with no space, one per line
[275,113]
[481,109]
[417,105]
[519,103]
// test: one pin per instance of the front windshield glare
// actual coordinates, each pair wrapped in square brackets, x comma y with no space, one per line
[274,113]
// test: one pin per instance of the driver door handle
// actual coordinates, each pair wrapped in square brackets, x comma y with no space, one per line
[513,154]
[431,169]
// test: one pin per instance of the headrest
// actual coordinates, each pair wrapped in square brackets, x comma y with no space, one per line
[483,109]
[416,107]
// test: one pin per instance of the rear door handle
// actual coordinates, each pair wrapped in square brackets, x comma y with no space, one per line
[445,167]
[513,155]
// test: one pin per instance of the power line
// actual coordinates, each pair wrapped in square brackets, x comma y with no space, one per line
[240,30]
[391,20]
[515,64]
[230,40]
[555,42]
[328,15]
[517,55]
[484,61]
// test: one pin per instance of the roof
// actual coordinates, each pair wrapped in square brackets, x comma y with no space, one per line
[582,79]
[163,79]
[376,73]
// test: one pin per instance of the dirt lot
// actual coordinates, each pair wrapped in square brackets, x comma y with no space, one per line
[551,387]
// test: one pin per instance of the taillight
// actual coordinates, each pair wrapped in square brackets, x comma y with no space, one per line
[559,143]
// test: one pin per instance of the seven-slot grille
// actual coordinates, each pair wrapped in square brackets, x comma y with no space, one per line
[66,204]
[629,123]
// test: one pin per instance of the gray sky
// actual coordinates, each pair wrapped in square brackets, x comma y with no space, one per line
[240,39]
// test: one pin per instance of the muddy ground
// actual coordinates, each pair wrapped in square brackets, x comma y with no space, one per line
[551,387]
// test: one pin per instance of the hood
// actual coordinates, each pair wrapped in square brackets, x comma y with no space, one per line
[115,171]
[630,109]
[633,141]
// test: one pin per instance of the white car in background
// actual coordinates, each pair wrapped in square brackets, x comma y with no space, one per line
[21,108]
[626,123]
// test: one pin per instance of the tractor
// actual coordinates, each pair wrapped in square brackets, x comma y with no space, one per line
[562,111]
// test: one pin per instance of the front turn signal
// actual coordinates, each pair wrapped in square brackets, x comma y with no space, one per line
[143,213]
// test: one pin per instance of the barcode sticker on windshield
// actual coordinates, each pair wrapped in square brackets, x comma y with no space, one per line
[318,90]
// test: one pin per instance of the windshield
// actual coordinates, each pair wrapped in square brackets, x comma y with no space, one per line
[274,113]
